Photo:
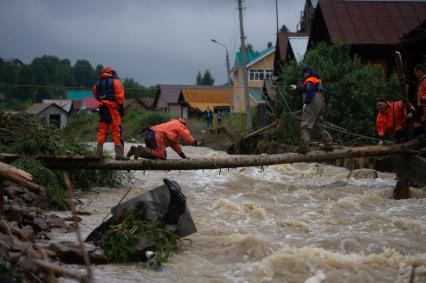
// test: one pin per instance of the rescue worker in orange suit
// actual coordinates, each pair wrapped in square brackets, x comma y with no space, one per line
[420,72]
[158,137]
[313,111]
[392,119]
[109,91]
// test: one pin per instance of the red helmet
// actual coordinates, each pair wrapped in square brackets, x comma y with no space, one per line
[107,69]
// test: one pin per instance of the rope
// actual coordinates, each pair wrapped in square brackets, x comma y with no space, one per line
[128,191]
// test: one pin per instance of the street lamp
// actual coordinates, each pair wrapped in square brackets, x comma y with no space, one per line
[229,73]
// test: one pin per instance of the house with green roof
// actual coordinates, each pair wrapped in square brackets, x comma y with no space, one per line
[78,94]
[260,67]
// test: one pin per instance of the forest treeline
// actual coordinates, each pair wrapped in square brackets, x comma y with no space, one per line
[49,77]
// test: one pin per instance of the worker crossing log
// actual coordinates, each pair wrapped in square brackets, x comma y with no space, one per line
[233,161]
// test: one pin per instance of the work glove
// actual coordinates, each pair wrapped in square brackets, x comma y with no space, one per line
[121,110]
[182,155]
[293,87]
[381,143]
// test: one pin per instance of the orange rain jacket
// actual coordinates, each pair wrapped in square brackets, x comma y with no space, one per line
[391,119]
[168,134]
[421,96]
[113,118]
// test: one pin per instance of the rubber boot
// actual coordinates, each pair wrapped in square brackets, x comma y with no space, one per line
[132,152]
[305,139]
[119,152]
[327,141]
[100,150]
[145,152]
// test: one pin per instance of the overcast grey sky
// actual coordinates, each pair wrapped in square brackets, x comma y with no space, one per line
[152,41]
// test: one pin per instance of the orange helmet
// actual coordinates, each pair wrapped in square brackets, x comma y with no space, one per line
[107,69]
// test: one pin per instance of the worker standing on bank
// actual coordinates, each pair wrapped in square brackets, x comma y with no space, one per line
[109,91]
[159,137]
[313,111]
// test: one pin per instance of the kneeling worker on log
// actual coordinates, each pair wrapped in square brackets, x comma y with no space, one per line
[109,91]
[392,118]
[158,137]
[313,110]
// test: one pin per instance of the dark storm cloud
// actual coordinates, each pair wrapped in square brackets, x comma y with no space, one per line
[152,41]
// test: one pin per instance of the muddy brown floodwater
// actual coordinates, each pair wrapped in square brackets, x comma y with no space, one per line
[302,222]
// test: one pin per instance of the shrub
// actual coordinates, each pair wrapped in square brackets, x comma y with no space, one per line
[351,88]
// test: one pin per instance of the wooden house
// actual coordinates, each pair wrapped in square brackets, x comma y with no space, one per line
[50,113]
[373,29]
[260,65]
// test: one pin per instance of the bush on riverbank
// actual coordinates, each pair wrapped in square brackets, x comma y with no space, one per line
[27,136]
[351,88]
[84,125]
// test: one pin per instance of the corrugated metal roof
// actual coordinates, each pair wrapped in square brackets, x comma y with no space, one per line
[89,103]
[148,101]
[63,103]
[202,98]
[371,22]
[253,57]
[256,94]
[170,93]
[37,108]
[78,94]
[283,43]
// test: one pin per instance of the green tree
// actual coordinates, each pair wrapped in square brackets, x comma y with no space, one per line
[283,28]
[351,88]
[25,76]
[84,73]
[250,48]
[205,79]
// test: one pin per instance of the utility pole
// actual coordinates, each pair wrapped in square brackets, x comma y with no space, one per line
[276,13]
[228,73]
[249,125]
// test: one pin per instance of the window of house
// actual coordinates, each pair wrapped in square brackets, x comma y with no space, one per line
[260,74]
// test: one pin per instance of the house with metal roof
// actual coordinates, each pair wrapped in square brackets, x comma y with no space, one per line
[82,100]
[195,100]
[167,98]
[137,104]
[290,46]
[78,94]
[50,113]
[63,103]
[373,29]
[12,61]
[259,68]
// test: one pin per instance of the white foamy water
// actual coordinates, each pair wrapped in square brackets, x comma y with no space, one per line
[287,223]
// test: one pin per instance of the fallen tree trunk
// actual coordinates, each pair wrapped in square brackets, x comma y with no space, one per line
[233,161]
[19,177]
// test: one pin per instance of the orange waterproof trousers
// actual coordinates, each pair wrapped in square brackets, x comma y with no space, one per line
[109,116]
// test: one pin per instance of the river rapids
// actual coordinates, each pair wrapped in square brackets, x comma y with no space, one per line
[303,222]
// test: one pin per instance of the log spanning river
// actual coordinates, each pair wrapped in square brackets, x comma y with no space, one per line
[286,223]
